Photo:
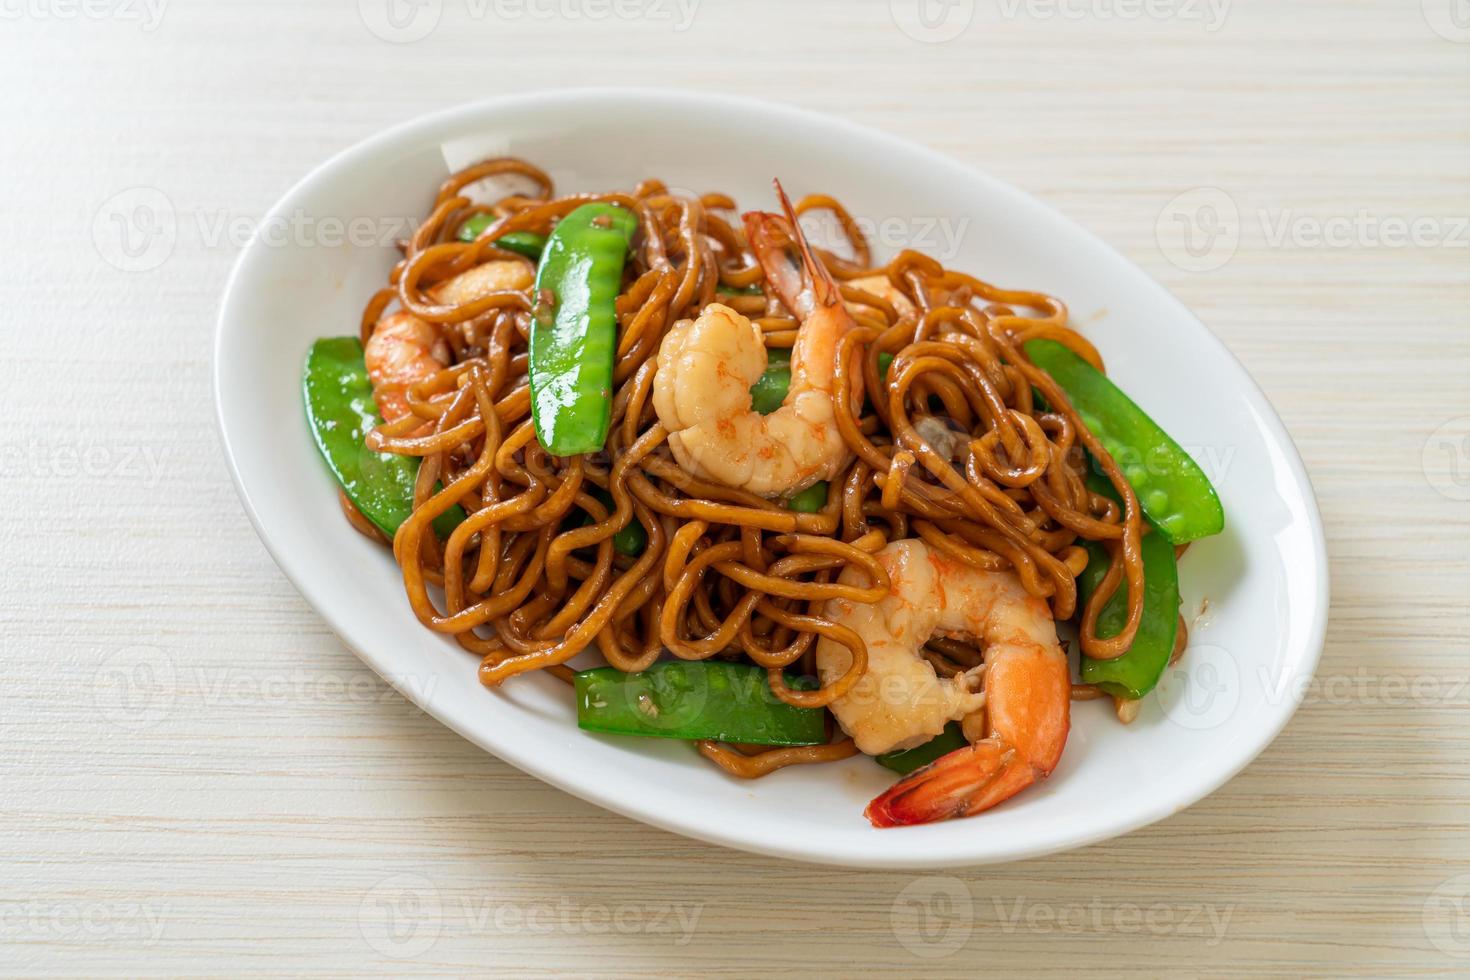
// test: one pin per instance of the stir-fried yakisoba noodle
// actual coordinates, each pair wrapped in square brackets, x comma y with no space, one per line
[913,410]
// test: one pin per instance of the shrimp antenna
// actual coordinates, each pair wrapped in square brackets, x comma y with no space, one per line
[822,281]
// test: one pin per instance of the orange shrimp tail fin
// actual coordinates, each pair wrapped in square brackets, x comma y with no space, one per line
[946,787]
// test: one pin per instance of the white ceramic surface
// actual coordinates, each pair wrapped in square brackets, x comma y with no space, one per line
[1252,651]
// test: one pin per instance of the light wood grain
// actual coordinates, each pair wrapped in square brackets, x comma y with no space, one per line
[263,802]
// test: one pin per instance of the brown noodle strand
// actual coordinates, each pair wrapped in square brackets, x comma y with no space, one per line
[764,763]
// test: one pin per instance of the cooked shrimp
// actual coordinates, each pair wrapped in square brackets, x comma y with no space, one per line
[487,277]
[404,350]
[707,365]
[1017,725]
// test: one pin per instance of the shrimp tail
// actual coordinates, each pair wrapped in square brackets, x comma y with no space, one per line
[1028,694]
[963,782]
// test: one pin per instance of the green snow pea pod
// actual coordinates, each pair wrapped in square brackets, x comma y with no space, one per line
[1136,672]
[695,699]
[341,412]
[574,327]
[1173,491]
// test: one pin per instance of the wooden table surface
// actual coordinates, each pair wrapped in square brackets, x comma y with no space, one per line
[198,778]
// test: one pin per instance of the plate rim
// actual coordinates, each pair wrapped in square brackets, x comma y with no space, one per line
[404,132]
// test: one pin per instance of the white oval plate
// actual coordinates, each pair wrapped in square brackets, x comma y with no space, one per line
[1251,655]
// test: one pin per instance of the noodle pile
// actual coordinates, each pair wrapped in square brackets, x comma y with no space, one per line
[953,447]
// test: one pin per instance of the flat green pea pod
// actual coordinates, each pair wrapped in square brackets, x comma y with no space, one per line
[574,327]
[1173,491]
[1135,673]
[341,412]
[906,761]
[695,699]
[527,243]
